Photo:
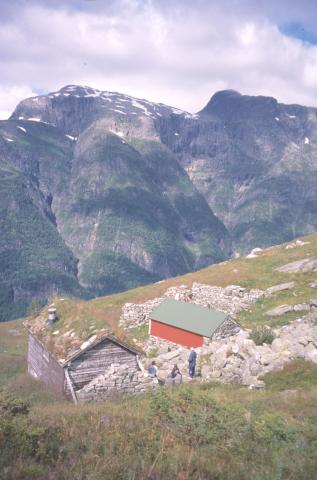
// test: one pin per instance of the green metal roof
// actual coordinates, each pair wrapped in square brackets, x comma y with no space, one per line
[188,316]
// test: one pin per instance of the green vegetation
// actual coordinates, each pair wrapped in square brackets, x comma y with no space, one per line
[261,335]
[34,259]
[189,432]
[104,312]
[196,431]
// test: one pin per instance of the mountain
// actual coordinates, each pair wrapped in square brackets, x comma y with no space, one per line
[117,199]
[132,191]
[255,162]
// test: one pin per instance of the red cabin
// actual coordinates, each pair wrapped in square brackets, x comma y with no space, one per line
[186,323]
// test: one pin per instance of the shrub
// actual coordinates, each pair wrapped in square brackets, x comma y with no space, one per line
[262,335]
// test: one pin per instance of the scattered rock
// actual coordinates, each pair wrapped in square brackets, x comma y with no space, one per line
[235,359]
[230,299]
[313,284]
[301,307]
[304,265]
[313,302]
[311,353]
[279,288]
[254,253]
[297,243]
[280,310]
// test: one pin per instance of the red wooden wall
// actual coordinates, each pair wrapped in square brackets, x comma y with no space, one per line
[176,335]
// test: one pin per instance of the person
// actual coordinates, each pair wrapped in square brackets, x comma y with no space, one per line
[192,362]
[176,375]
[152,370]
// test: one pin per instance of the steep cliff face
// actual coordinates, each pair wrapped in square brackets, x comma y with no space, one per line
[34,260]
[124,223]
[255,162]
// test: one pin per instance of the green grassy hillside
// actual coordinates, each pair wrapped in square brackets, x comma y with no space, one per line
[195,431]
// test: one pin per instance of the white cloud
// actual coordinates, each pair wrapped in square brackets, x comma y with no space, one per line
[10,96]
[178,54]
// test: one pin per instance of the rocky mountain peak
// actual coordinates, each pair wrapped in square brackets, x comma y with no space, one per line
[73,108]
[231,102]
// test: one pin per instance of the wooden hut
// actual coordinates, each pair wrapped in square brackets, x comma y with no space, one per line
[189,324]
[102,366]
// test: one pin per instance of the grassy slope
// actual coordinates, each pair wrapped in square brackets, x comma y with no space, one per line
[194,432]
[104,312]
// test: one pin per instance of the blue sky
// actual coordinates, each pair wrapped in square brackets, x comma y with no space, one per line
[298,31]
[178,52]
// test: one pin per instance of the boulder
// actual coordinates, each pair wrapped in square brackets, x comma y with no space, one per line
[280,310]
[313,302]
[254,253]
[279,345]
[255,368]
[205,371]
[311,353]
[220,361]
[279,288]
[301,307]
[268,358]
[304,265]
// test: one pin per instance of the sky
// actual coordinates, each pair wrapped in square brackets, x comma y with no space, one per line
[178,52]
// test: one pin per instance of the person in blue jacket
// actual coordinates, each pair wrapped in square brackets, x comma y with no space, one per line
[152,370]
[192,362]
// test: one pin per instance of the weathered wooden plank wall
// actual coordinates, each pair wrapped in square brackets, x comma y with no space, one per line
[93,362]
[42,365]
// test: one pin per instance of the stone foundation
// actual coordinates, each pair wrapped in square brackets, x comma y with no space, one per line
[117,379]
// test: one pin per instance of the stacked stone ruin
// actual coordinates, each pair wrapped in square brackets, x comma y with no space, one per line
[236,358]
[117,379]
[230,299]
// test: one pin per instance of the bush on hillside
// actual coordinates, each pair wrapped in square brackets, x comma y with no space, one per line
[262,335]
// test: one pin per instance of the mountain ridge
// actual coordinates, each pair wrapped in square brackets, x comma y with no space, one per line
[141,191]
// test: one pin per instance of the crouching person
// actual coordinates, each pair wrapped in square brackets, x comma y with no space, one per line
[152,370]
[176,376]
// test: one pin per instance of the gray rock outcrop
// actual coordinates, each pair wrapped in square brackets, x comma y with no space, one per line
[304,265]
[279,288]
[238,359]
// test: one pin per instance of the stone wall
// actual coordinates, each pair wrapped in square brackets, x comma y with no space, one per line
[230,299]
[228,328]
[116,379]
